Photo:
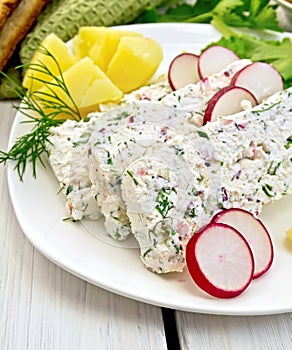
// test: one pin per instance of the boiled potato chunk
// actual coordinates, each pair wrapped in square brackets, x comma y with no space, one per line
[102,56]
[134,62]
[60,52]
[99,43]
[102,64]
[88,37]
[88,86]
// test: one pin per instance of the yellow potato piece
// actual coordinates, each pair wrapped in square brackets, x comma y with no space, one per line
[88,37]
[88,86]
[134,62]
[99,43]
[108,50]
[60,52]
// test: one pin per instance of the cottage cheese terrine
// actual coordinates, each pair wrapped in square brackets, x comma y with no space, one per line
[68,142]
[128,133]
[248,163]
[155,174]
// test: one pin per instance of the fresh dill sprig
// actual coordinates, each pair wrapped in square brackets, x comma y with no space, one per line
[50,101]
[44,109]
[30,147]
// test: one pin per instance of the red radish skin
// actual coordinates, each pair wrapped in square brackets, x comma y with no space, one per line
[220,261]
[214,59]
[254,232]
[260,78]
[227,101]
[183,70]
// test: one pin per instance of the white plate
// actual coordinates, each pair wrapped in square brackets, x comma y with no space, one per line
[40,212]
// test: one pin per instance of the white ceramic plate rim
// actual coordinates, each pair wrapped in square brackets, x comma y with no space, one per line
[40,212]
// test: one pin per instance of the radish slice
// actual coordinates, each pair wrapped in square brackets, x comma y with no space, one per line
[260,78]
[254,232]
[183,70]
[227,101]
[220,261]
[214,59]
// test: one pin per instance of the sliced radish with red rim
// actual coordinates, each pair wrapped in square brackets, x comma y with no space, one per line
[183,70]
[227,101]
[214,59]
[260,78]
[254,232]
[220,261]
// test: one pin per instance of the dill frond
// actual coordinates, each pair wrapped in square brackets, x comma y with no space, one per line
[44,110]
[30,147]
[50,100]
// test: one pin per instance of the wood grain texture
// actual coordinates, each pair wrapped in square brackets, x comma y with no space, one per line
[43,307]
[214,332]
